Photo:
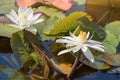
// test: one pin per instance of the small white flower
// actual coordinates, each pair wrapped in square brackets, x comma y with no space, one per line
[75,43]
[24,18]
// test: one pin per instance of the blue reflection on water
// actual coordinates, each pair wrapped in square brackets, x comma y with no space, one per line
[10,60]
[100,76]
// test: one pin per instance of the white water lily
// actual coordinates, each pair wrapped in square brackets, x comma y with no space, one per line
[82,41]
[24,18]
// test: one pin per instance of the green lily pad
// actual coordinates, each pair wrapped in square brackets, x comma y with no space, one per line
[112,59]
[110,42]
[6,6]
[50,11]
[6,30]
[114,27]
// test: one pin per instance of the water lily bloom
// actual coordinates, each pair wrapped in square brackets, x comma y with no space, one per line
[83,42]
[24,18]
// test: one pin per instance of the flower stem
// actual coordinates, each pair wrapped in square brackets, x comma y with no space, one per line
[74,65]
[81,64]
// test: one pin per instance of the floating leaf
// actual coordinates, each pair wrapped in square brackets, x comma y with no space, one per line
[6,6]
[97,64]
[64,5]
[26,3]
[112,59]
[42,59]
[79,2]
[50,11]
[111,42]
[61,67]
[68,24]
[6,30]
[45,27]
[97,31]
[114,27]
[18,43]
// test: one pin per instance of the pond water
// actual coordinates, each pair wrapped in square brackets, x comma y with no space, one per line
[93,76]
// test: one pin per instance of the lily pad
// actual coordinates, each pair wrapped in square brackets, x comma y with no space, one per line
[6,6]
[114,27]
[6,30]
[112,59]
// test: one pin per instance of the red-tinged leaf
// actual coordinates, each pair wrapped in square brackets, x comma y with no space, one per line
[26,3]
[63,68]
[64,5]
[44,58]
[4,19]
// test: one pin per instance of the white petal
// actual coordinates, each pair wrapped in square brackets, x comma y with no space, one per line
[29,13]
[97,48]
[73,36]
[35,19]
[88,35]
[98,45]
[32,29]
[84,48]
[76,48]
[88,55]
[69,38]
[94,42]
[14,14]
[71,44]
[63,41]
[21,10]
[16,26]
[64,51]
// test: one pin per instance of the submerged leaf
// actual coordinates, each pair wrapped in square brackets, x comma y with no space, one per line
[97,31]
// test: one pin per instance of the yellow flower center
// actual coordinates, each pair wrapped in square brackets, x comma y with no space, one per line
[24,17]
[82,37]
